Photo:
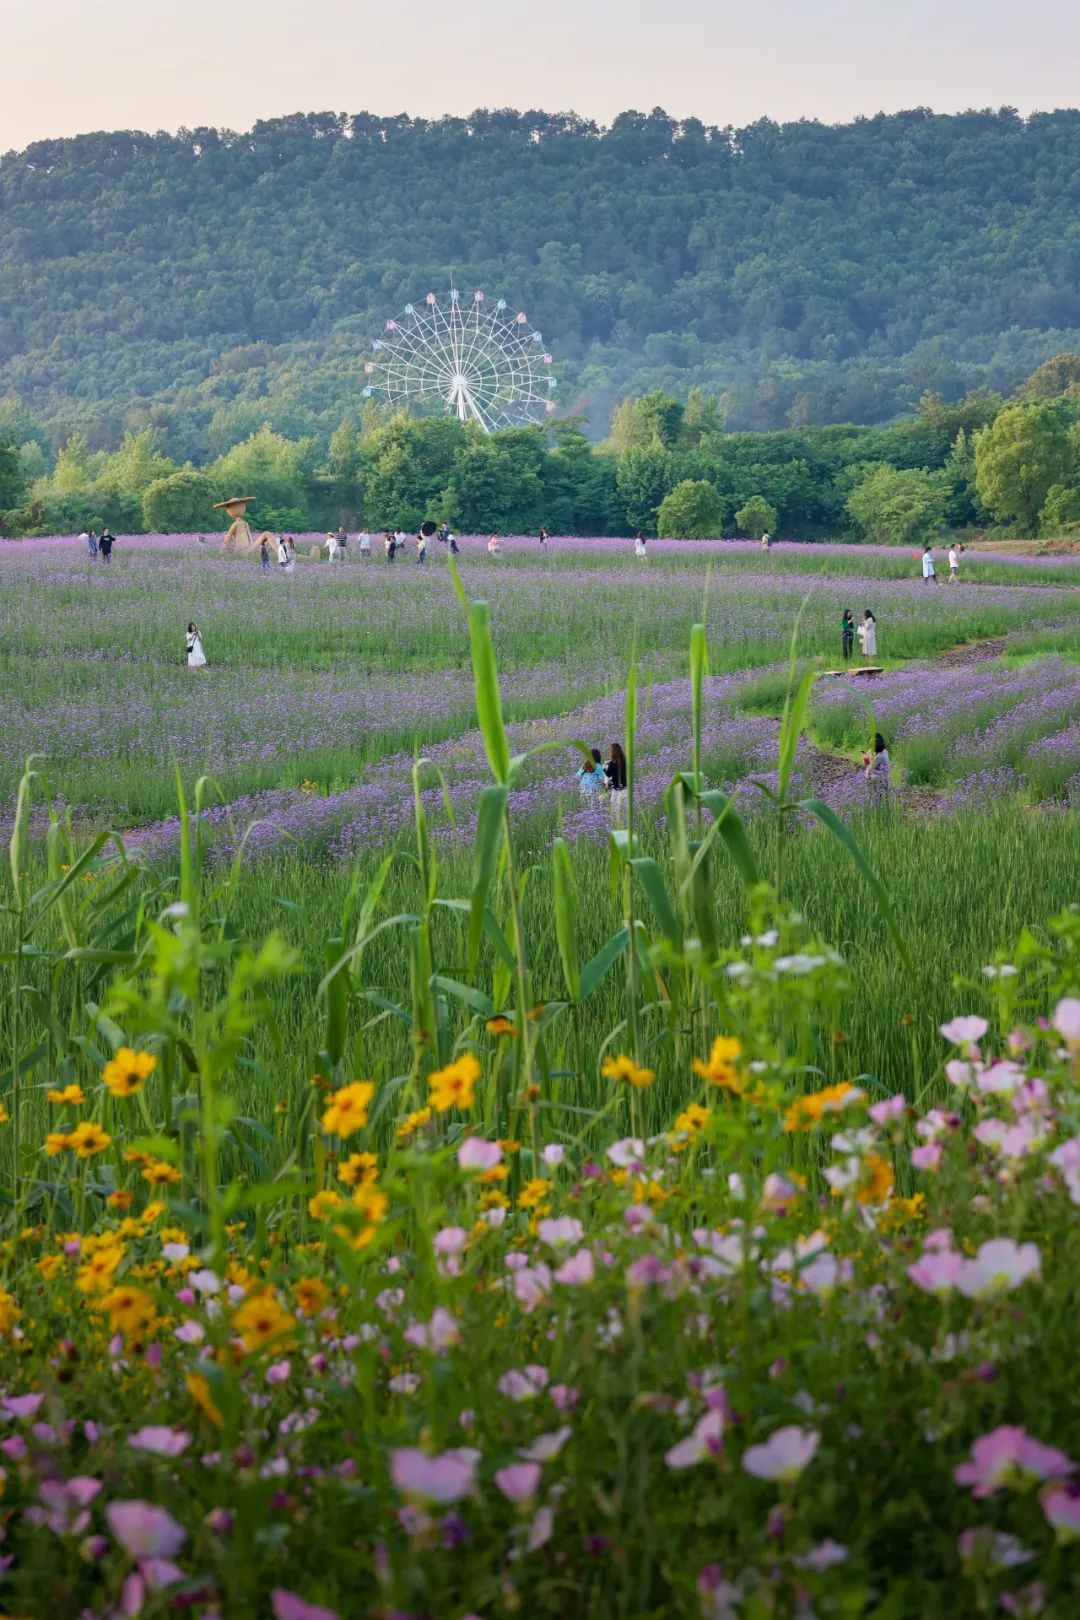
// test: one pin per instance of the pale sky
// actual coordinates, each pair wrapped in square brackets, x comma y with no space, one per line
[69,66]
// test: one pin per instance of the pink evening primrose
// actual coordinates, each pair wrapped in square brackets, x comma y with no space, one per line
[443,1479]
[518,1482]
[1008,1457]
[630,1150]
[966,1030]
[784,1454]
[1067,1020]
[578,1271]
[160,1440]
[705,1440]
[547,1446]
[889,1108]
[145,1531]
[287,1606]
[1062,1509]
[927,1156]
[477,1154]
[564,1229]
[554,1154]
[451,1240]
[1000,1266]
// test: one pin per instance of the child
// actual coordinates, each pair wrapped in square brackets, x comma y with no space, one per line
[876,763]
[196,658]
[847,634]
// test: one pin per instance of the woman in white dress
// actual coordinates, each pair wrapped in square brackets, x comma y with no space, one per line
[868,635]
[639,546]
[282,553]
[196,658]
[290,554]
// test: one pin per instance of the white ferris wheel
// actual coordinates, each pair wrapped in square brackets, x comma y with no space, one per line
[470,359]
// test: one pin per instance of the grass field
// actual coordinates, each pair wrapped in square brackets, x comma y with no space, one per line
[368,1093]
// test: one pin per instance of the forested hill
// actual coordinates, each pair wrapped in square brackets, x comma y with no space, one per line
[209,281]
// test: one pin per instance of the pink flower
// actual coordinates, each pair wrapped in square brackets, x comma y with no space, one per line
[706,1439]
[1000,1266]
[565,1229]
[540,1531]
[451,1240]
[1067,1020]
[532,1285]
[936,1271]
[554,1154]
[958,1074]
[287,1606]
[966,1030]
[444,1479]
[1062,1509]
[826,1555]
[161,1441]
[145,1531]
[927,1156]
[784,1455]
[626,1152]
[519,1482]
[190,1333]
[21,1406]
[578,1271]
[279,1372]
[440,1334]
[64,1504]
[564,1397]
[1009,1457]
[523,1384]
[547,1446]
[477,1154]
[890,1108]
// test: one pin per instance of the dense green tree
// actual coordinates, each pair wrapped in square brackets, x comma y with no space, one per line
[495,483]
[1055,377]
[1060,513]
[756,517]
[13,481]
[898,506]
[276,472]
[181,503]
[692,511]
[644,475]
[343,469]
[1019,458]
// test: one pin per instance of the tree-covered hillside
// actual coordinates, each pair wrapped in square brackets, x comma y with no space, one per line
[207,282]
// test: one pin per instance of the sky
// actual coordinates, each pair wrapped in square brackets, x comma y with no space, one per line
[69,66]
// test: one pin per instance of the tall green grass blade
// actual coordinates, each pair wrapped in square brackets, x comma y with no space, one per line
[844,836]
[566,917]
[486,681]
[595,971]
[487,847]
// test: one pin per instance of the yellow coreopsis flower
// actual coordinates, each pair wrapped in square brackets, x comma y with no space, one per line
[624,1068]
[161,1174]
[347,1110]
[97,1274]
[454,1086]
[261,1318]
[128,1071]
[130,1310]
[501,1025]
[357,1168]
[71,1094]
[879,1183]
[720,1069]
[57,1142]
[9,1312]
[310,1294]
[413,1123]
[199,1390]
[805,1112]
[88,1139]
[534,1193]
[324,1204]
[120,1200]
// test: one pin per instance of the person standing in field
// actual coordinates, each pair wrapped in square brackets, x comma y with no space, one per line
[342,543]
[868,635]
[876,764]
[615,771]
[282,553]
[196,658]
[365,546]
[929,572]
[847,634]
[955,553]
[543,538]
[421,549]
[89,540]
[106,543]
[389,545]
[331,544]
[264,555]
[766,541]
[290,547]
[493,546]
[640,550]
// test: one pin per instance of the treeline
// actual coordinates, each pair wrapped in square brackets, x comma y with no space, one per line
[668,466]
[204,283]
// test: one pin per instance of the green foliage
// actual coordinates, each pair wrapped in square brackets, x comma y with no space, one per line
[181,503]
[1060,513]
[1055,377]
[899,507]
[273,469]
[1019,458]
[644,475]
[692,511]
[756,517]
[13,479]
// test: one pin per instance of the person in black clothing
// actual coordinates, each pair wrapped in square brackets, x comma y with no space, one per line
[105,544]
[847,634]
[615,771]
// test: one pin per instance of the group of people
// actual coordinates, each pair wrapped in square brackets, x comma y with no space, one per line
[604,776]
[866,632]
[929,572]
[99,545]
[286,554]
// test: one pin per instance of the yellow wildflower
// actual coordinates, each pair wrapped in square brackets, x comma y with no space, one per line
[71,1094]
[9,1312]
[880,1183]
[720,1069]
[261,1318]
[128,1071]
[453,1087]
[533,1193]
[50,1265]
[57,1142]
[806,1111]
[501,1026]
[199,1390]
[324,1204]
[97,1273]
[88,1139]
[358,1167]
[310,1294]
[130,1310]
[120,1200]
[160,1174]
[413,1123]
[348,1109]
[624,1068]
[152,1211]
